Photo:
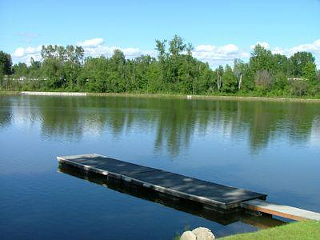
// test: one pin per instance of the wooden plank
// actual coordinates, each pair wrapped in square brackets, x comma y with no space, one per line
[212,194]
[280,210]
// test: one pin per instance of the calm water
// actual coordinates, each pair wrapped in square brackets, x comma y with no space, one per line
[269,147]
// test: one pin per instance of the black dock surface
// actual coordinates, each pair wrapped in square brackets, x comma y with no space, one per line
[208,193]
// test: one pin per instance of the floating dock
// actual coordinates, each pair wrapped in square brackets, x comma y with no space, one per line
[220,198]
[212,195]
[260,221]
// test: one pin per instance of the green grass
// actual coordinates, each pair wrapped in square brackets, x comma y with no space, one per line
[5,92]
[297,230]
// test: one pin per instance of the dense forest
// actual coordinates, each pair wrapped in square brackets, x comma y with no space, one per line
[174,70]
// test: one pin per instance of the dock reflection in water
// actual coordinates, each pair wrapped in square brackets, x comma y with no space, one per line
[262,222]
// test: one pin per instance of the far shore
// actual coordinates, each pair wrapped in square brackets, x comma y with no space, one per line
[166,95]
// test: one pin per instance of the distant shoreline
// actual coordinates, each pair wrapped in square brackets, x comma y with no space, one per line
[165,95]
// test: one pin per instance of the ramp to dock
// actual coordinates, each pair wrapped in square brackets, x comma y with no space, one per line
[280,210]
[208,193]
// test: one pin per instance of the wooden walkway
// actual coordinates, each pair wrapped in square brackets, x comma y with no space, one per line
[280,210]
[219,197]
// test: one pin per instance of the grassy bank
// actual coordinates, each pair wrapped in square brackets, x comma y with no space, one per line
[9,92]
[208,97]
[217,97]
[297,230]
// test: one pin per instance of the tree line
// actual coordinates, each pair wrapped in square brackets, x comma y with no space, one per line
[174,70]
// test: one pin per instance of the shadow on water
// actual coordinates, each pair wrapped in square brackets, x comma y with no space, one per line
[263,221]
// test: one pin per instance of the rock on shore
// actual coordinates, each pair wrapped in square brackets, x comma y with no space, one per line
[199,233]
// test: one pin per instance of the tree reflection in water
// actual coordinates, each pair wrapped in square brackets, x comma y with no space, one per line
[173,121]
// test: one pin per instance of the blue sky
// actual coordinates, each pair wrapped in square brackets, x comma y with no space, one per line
[220,30]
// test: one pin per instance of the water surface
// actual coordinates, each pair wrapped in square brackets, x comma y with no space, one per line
[268,147]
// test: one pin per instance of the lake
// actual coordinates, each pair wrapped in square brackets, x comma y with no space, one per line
[268,147]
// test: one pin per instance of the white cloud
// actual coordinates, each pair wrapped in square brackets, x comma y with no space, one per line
[229,49]
[263,44]
[313,47]
[309,47]
[19,52]
[245,55]
[131,51]
[277,50]
[25,54]
[215,55]
[91,42]
[205,48]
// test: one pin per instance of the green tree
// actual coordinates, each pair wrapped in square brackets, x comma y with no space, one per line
[20,70]
[263,81]
[219,82]
[239,69]
[53,72]
[299,61]
[95,74]
[280,82]
[176,46]
[119,80]
[1,77]
[261,59]
[140,73]
[282,63]
[5,63]
[161,48]
[310,74]
[299,87]
[61,65]
[34,68]
[309,71]
[230,81]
